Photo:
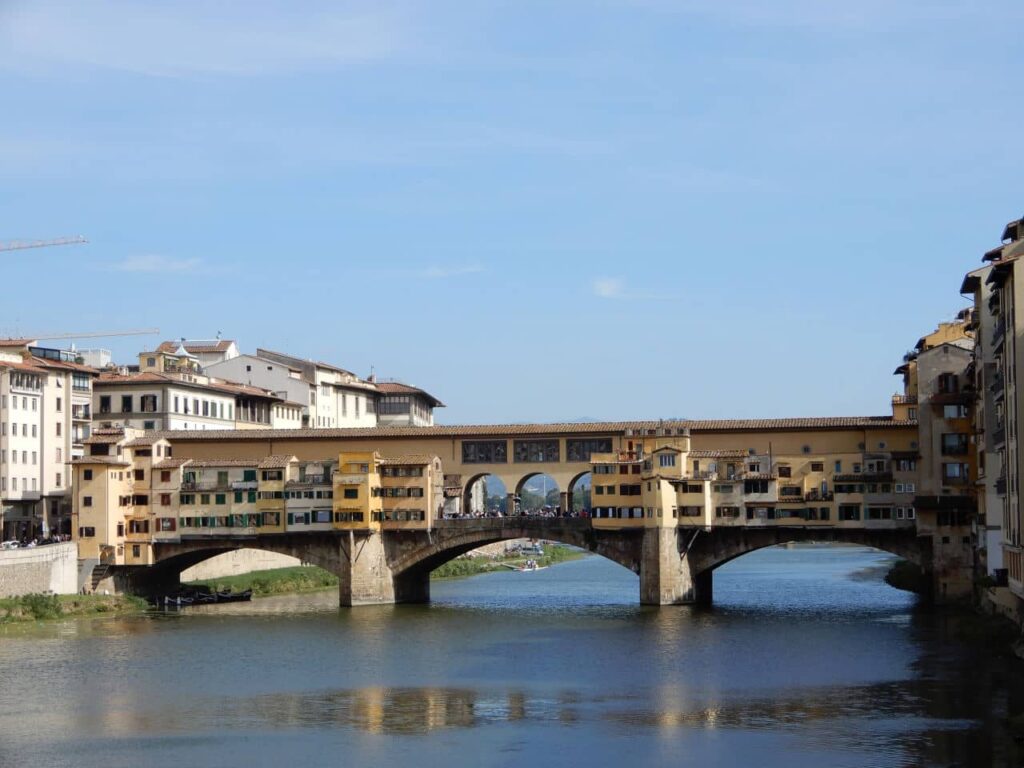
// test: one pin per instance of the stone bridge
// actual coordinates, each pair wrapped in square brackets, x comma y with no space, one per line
[675,565]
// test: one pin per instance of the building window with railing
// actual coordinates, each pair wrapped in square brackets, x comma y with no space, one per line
[954,444]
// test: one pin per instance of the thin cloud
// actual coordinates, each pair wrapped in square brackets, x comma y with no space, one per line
[155,263]
[608,287]
[614,288]
[440,273]
[187,38]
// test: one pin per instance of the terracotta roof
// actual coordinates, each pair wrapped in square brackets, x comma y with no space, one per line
[193,347]
[171,463]
[151,377]
[27,367]
[114,460]
[725,453]
[200,463]
[398,388]
[619,428]
[143,441]
[104,438]
[16,342]
[277,461]
[65,365]
[409,459]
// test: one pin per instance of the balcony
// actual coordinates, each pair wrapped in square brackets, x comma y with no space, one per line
[999,332]
[81,414]
[959,449]
[819,496]
[956,481]
[999,435]
[904,399]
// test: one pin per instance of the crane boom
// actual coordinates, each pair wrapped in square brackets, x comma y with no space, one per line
[93,334]
[18,245]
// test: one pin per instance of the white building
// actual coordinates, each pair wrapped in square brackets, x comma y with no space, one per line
[335,397]
[402,405]
[44,418]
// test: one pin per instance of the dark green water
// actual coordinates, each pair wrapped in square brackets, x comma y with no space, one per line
[807,659]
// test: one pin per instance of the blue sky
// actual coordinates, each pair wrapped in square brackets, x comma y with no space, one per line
[535,210]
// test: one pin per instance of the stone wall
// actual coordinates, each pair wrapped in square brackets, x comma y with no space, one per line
[236,562]
[50,568]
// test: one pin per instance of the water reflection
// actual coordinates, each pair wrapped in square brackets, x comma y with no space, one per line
[798,664]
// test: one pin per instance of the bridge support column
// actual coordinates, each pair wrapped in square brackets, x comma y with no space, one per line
[510,504]
[665,576]
[563,502]
[365,578]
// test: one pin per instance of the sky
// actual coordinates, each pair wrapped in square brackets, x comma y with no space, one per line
[536,211]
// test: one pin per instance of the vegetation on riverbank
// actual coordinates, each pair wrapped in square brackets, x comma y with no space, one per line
[276,581]
[908,577]
[461,567]
[37,607]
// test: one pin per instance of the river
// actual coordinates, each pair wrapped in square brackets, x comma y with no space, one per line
[807,659]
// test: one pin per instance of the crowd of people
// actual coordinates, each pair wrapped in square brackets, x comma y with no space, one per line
[37,541]
[542,512]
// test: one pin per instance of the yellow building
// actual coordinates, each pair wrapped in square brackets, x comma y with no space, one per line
[356,505]
[411,491]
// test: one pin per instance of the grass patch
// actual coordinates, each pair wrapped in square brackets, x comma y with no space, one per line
[37,607]
[276,581]
[461,567]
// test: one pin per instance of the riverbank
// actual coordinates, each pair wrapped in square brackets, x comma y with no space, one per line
[275,581]
[461,567]
[50,607]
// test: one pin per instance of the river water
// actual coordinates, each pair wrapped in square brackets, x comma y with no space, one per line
[807,659]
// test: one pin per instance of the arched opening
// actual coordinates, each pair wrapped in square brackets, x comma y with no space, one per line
[538,494]
[797,576]
[580,495]
[485,495]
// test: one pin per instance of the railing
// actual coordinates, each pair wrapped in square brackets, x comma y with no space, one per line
[819,496]
[955,450]
[999,332]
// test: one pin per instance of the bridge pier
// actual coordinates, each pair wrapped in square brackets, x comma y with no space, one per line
[365,576]
[666,577]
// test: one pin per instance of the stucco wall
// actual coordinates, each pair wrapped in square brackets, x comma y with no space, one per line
[52,568]
[239,561]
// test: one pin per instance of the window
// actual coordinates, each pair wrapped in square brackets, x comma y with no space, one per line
[59,479]
[838,466]
[948,383]
[785,470]
[86,532]
[849,512]
[165,499]
[351,493]
[755,486]
[87,474]
[954,444]
[220,499]
[667,460]
[126,404]
[165,476]
[817,466]
[535,450]
[580,450]
[87,501]
[954,411]
[484,451]
[954,472]
[140,474]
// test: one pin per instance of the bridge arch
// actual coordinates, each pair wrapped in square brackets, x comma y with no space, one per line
[549,495]
[448,543]
[707,553]
[579,491]
[475,495]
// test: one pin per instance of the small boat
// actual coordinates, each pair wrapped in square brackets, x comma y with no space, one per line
[227,596]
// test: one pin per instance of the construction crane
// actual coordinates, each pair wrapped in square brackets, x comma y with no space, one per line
[92,334]
[18,245]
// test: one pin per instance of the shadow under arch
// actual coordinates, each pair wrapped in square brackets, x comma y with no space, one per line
[708,553]
[624,550]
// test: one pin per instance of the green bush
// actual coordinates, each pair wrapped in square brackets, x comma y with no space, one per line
[41,606]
